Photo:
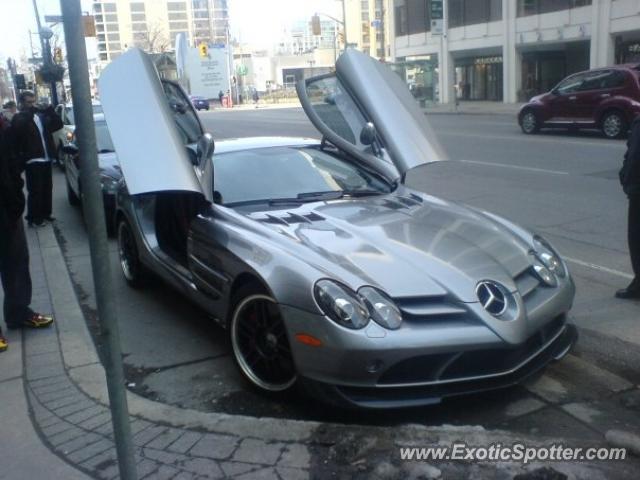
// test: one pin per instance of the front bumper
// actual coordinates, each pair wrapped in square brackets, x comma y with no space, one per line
[428,359]
[412,396]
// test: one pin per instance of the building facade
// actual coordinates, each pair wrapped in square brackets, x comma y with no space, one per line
[153,24]
[368,26]
[508,50]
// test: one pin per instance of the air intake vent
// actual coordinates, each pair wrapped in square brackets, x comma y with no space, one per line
[291,218]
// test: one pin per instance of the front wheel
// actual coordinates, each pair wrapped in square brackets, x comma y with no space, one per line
[132,269]
[613,125]
[260,343]
[529,122]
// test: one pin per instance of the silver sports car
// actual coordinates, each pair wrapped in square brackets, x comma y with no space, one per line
[328,272]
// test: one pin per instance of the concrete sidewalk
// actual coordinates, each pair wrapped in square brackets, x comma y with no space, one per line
[56,422]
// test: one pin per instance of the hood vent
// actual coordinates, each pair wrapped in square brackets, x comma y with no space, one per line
[398,202]
[291,218]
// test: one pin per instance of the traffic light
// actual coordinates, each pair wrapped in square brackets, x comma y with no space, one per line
[204,50]
[315,25]
[57,55]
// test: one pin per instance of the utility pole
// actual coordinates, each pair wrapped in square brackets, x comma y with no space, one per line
[93,209]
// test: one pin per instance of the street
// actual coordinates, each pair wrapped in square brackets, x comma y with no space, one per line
[559,184]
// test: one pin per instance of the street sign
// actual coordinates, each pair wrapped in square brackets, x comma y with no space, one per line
[437,12]
[89,24]
[35,60]
[437,27]
[242,70]
[377,23]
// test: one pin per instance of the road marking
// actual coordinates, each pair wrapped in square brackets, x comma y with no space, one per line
[599,267]
[536,138]
[517,167]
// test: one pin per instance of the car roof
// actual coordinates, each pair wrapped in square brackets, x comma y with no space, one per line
[248,143]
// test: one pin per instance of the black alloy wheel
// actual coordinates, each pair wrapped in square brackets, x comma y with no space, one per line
[132,269]
[260,344]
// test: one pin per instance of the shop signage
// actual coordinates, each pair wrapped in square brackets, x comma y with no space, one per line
[487,60]
[633,48]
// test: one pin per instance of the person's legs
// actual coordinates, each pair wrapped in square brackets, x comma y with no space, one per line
[47,190]
[634,236]
[16,280]
[29,174]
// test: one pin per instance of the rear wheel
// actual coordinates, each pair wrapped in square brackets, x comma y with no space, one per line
[529,122]
[132,269]
[73,199]
[613,124]
[259,340]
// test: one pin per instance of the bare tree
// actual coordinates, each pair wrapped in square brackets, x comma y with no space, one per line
[153,40]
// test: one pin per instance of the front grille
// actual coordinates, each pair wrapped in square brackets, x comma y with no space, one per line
[459,365]
[430,309]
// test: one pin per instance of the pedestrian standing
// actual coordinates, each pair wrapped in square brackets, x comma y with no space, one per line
[14,253]
[256,98]
[630,180]
[35,147]
[9,109]
[220,96]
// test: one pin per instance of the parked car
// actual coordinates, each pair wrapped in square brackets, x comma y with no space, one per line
[200,103]
[606,98]
[110,172]
[328,272]
[63,136]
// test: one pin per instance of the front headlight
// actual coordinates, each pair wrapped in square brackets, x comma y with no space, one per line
[109,184]
[382,309]
[549,257]
[341,305]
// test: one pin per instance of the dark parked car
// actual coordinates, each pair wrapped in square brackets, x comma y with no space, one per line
[110,173]
[607,99]
[200,103]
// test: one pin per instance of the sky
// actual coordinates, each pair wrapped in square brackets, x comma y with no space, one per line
[257,22]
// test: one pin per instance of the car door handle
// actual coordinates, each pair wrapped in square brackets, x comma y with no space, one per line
[573,97]
[605,95]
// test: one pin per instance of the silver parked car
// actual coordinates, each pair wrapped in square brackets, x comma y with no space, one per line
[327,271]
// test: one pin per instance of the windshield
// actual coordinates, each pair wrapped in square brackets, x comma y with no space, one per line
[103,138]
[268,174]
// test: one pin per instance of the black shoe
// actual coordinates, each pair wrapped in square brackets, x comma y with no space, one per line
[38,223]
[631,292]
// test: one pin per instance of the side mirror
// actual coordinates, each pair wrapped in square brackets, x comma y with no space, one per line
[70,149]
[205,148]
[368,134]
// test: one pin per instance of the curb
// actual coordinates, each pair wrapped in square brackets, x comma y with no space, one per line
[76,425]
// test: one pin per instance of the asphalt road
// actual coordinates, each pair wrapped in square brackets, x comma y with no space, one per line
[563,185]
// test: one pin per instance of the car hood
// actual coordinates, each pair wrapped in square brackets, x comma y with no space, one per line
[409,245]
[108,164]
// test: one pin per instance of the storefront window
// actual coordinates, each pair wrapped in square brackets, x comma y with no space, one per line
[421,75]
[479,78]
[628,52]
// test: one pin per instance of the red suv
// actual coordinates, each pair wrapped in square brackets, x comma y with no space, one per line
[606,98]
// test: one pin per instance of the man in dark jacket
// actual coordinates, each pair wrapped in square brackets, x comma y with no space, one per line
[34,146]
[630,180]
[14,254]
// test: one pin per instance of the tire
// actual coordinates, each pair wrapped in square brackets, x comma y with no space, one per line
[613,124]
[529,122]
[132,269]
[60,158]
[259,342]
[73,199]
